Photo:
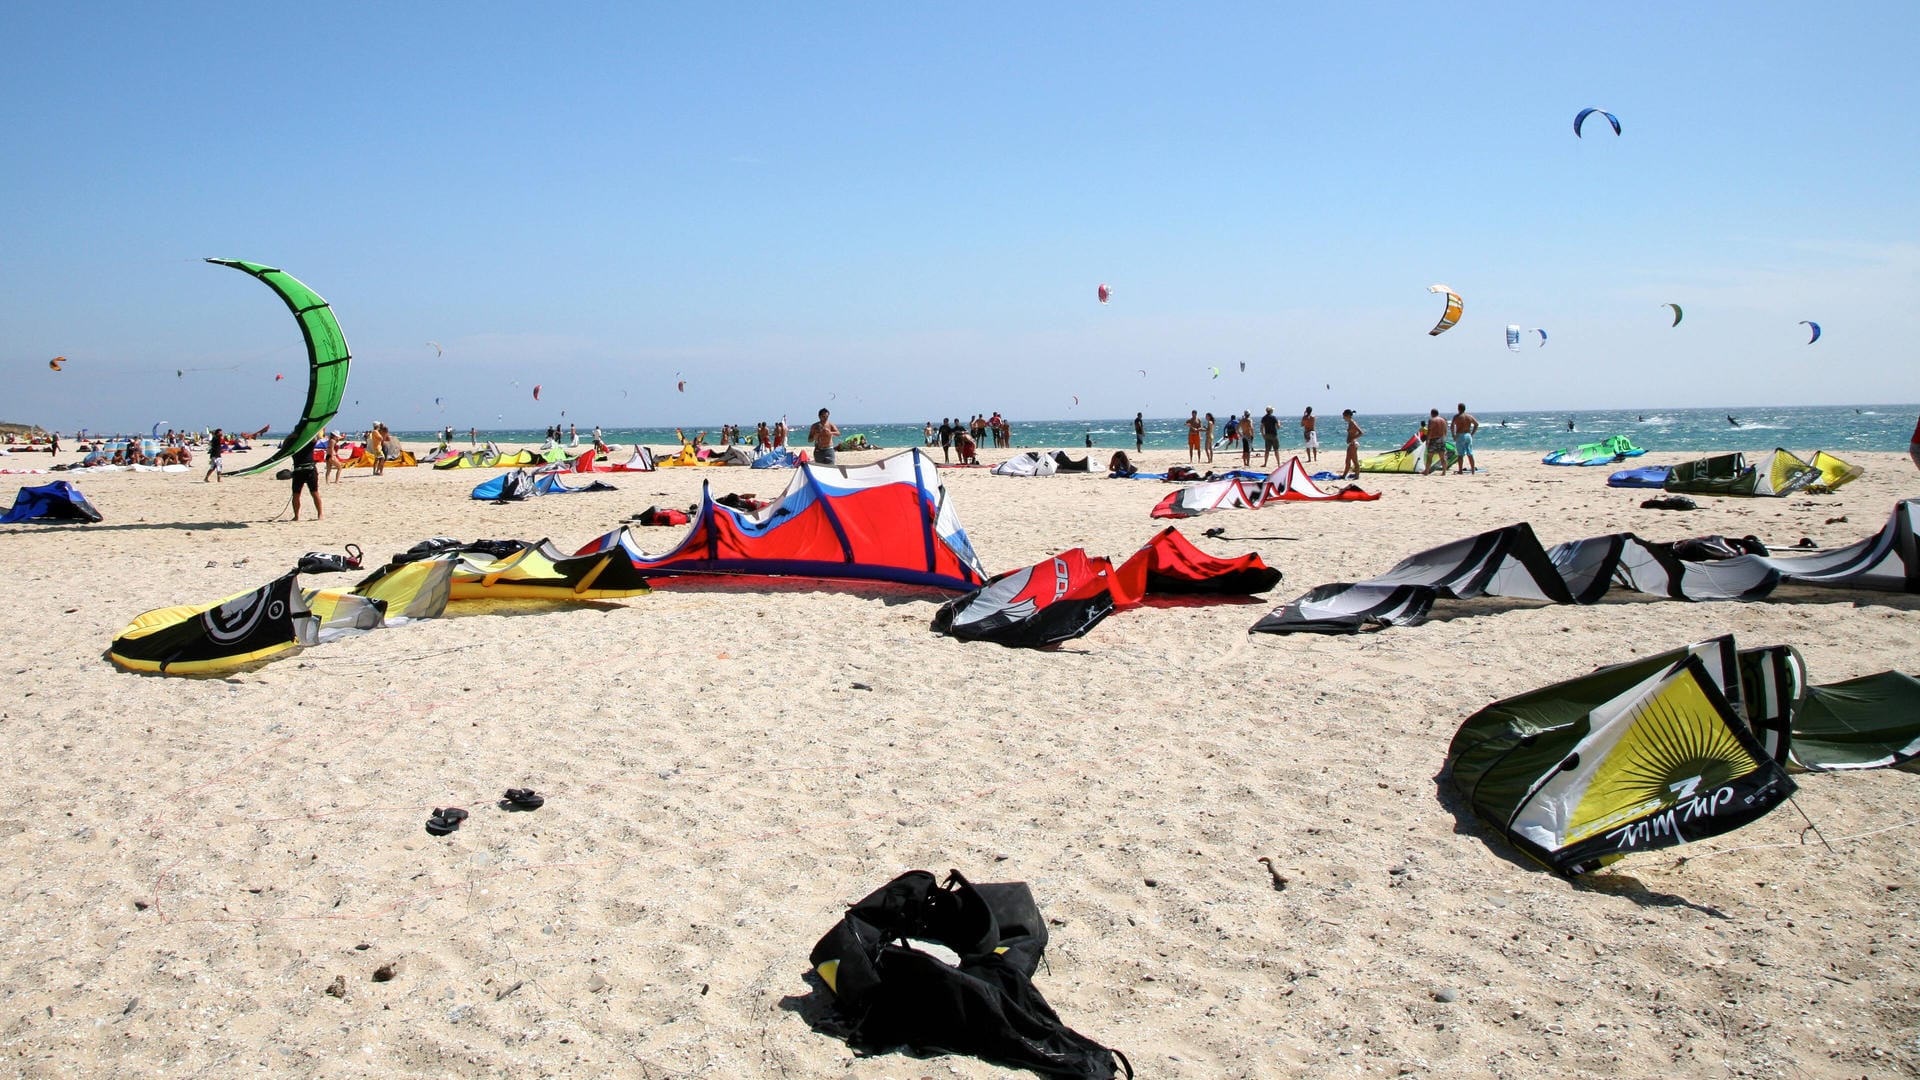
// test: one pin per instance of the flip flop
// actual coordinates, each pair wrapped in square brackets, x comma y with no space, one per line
[445,821]
[519,798]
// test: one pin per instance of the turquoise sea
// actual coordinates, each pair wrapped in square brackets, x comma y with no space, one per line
[1798,428]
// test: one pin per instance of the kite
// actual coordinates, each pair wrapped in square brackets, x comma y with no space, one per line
[1143,372]
[1676,312]
[1448,317]
[277,378]
[536,391]
[1816,330]
[1513,338]
[1216,372]
[1105,292]
[1581,118]
[1543,336]
[437,350]
[327,357]
[1076,399]
[56,362]
[1243,367]
[1634,757]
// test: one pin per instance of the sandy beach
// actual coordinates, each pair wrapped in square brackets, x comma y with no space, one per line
[194,863]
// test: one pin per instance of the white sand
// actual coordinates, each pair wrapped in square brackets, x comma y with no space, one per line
[193,862]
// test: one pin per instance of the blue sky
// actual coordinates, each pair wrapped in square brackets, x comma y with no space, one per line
[910,208]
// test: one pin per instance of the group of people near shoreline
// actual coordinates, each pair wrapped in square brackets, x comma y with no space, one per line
[963,437]
[1435,435]
[1200,440]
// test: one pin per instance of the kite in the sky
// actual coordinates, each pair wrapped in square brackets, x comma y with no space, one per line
[277,378]
[1216,373]
[1816,330]
[1143,372]
[1513,337]
[56,362]
[1243,367]
[1105,292]
[681,386]
[536,391]
[327,357]
[1448,317]
[1543,336]
[1076,399]
[1676,312]
[437,350]
[1581,118]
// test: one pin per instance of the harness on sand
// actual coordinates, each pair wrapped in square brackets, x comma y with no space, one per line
[893,994]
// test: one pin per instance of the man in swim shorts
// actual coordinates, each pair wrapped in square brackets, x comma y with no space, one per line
[306,474]
[1436,442]
[1464,426]
[1139,432]
[1308,426]
[824,434]
[1193,435]
[1270,435]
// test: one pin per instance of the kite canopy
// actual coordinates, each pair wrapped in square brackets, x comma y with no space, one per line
[58,501]
[1448,317]
[1634,757]
[1064,596]
[1816,330]
[327,357]
[56,362]
[888,521]
[1407,458]
[1605,452]
[1105,293]
[1779,474]
[1288,483]
[1510,562]
[1676,312]
[1581,118]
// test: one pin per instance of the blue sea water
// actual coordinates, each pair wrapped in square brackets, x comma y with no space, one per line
[1799,428]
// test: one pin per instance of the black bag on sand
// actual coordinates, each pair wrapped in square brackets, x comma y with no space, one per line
[895,995]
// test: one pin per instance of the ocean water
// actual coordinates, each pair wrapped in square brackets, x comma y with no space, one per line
[1802,429]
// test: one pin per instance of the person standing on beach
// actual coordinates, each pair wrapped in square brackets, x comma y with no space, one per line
[214,450]
[780,434]
[1309,431]
[1209,443]
[1270,436]
[1352,463]
[1139,432]
[946,438]
[1193,435]
[306,474]
[1464,427]
[1246,437]
[1436,442]
[824,434]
